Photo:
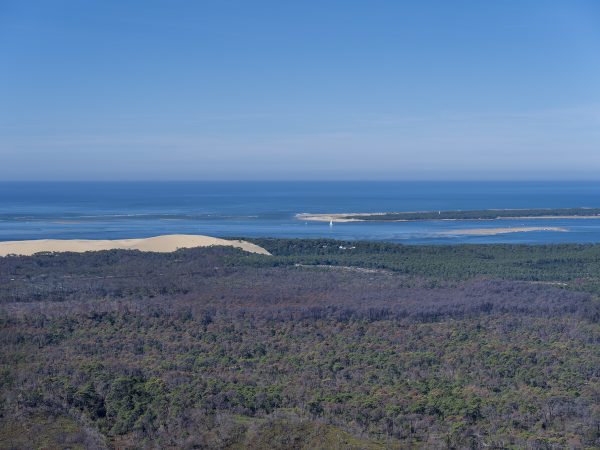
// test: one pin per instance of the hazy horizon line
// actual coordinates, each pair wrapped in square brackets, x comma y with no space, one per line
[306,180]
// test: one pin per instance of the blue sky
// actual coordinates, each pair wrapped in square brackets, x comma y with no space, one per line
[299,90]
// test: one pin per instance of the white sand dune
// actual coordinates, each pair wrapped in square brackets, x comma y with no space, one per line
[163,244]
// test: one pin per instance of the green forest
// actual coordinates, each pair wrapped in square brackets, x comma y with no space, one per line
[325,344]
[481,214]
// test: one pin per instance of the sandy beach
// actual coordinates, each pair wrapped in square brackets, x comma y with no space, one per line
[334,217]
[494,231]
[356,217]
[162,244]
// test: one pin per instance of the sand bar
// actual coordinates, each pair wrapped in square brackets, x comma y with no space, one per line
[494,231]
[162,244]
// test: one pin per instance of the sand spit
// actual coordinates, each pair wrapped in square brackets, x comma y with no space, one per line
[162,244]
[334,217]
[494,231]
[356,217]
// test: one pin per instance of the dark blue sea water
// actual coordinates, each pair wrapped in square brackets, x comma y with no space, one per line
[114,210]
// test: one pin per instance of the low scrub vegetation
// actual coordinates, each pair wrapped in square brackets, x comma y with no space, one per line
[378,346]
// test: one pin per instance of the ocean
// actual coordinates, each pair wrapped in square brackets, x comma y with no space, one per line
[118,210]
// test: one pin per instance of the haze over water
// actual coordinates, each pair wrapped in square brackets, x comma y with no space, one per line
[117,210]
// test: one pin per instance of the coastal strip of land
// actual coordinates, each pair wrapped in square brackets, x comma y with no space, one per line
[486,214]
[494,231]
[161,244]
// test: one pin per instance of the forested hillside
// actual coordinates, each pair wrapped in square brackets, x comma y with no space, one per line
[326,344]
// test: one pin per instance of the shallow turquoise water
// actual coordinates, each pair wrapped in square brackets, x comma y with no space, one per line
[121,210]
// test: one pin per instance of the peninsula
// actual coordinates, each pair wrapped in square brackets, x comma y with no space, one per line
[484,214]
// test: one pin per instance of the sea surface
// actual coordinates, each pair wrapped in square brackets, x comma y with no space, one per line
[117,210]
